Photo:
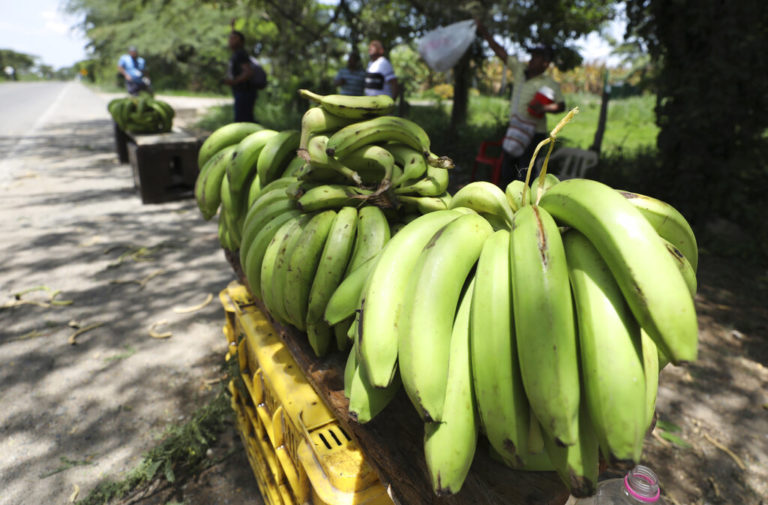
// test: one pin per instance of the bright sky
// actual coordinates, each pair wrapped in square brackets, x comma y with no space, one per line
[41,28]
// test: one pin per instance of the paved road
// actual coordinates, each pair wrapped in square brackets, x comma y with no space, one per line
[71,221]
[27,105]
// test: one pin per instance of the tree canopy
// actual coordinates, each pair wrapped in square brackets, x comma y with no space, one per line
[711,95]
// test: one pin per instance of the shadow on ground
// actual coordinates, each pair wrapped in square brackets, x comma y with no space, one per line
[74,414]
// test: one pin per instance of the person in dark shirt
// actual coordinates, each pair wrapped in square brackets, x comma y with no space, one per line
[239,75]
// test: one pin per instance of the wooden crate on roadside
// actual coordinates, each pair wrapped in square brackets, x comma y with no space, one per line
[164,165]
[121,143]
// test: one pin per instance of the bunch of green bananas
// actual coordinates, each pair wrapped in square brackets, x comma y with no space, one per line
[539,316]
[142,114]
[308,208]
[543,325]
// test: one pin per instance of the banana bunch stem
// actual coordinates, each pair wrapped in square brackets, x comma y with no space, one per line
[551,141]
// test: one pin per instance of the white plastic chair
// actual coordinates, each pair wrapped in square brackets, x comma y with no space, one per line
[569,162]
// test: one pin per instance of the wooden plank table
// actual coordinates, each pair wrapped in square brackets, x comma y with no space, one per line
[393,441]
[164,165]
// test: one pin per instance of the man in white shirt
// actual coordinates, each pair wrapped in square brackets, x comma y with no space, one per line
[534,95]
[380,78]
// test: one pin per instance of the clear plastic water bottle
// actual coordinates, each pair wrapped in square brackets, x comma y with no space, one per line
[639,486]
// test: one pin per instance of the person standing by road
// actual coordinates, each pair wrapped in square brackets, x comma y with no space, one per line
[380,78]
[239,73]
[534,95]
[351,79]
[134,69]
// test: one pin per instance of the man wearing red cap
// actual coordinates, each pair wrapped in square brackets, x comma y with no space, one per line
[534,95]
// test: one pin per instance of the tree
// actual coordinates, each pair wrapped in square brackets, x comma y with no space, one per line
[554,22]
[183,41]
[19,62]
[711,104]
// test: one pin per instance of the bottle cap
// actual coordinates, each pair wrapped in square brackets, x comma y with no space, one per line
[642,484]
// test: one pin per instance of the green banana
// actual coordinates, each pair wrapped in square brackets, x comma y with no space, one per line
[283,233]
[501,401]
[227,135]
[483,197]
[242,166]
[372,235]
[366,400]
[319,120]
[549,181]
[430,300]
[411,160]
[317,158]
[272,285]
[224,236]
[230,213]
[373,159]
[349,371]
[514,194]
[352,107]
[435,183]
[535,435]
[332,196]
[333,263]
[253,191]
[282,266]
[647,275]
[208,184]
[340,332]
[265,199]
[253,227]
[380,129]
[668,223]
[651,369]
[386,293]
[544,322]
[449,445]
[252,252]
[613,380]
[578,464]
[302,267]
[282,182]
[142,115]
[276,154]
[426,204]
[316,174]
[293,167]
[344,301]
[685,267]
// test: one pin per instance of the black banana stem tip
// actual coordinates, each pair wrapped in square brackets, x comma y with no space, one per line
[439,161]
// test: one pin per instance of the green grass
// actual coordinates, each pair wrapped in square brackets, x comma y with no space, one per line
[630,130]
[113,88]
[267,112]
[198,94]
[180,453]
[630,126]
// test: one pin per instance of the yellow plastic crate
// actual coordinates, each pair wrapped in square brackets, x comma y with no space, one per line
[296,447]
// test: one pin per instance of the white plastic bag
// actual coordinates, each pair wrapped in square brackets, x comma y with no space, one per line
[441,48]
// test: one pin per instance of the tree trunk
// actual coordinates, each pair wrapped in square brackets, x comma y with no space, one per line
[503,88]
[605,97]
[461,79]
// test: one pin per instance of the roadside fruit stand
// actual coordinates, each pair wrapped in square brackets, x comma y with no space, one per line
[163,159]
[395,342]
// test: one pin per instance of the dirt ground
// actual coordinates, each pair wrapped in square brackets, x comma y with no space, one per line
[73,223]
[71,415]
[720,402]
